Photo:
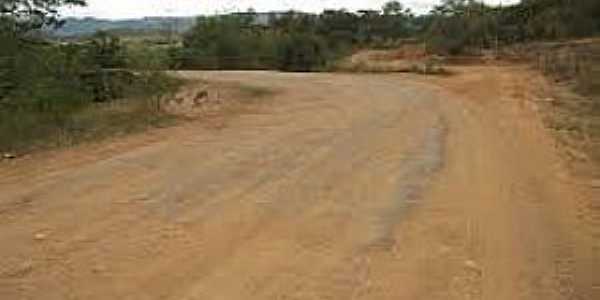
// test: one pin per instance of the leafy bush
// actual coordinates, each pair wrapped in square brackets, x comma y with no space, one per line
[107,50]
[54,93]
[232,42]
[225,43]
[301,52]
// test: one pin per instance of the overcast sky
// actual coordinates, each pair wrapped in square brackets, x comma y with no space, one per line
[120,9]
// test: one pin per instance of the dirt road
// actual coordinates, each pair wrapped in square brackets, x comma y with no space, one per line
[337,187]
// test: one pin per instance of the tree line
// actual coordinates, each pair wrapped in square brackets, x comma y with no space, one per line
[454,26]
[292,41]
[297,41]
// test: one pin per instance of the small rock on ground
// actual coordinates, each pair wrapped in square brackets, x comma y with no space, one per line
[40,236]
[8,156]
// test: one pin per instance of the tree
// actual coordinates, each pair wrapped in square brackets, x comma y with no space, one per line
[26,15]
[461,24]
[106,50]
[17,18]
[554,19]
[392,8]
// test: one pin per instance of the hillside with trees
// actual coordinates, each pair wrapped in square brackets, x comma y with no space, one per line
[456,25]
[300,41]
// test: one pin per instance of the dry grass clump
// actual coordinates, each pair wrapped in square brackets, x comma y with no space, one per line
[403,60]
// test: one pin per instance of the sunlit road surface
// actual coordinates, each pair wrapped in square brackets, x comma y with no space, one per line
[337,187]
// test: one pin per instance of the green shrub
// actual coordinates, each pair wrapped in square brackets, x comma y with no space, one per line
[106,50]
[302,52]
[229,42]
[57,94]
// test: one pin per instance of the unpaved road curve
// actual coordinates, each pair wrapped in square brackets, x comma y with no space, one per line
[339,187]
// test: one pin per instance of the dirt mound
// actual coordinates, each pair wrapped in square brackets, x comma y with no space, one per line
[406,52]
[408,58]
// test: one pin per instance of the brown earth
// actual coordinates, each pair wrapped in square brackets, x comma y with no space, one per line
[405,59]
[337,187]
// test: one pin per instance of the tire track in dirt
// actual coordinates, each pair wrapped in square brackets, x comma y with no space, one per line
[341,187]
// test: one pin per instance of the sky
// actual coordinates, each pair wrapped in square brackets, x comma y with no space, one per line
[123,9]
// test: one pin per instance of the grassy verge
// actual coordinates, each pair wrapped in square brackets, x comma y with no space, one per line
[26,128]
[573,68]
[576,120]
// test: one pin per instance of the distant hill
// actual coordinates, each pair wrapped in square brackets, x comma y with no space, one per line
[81,27]
[75,27]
